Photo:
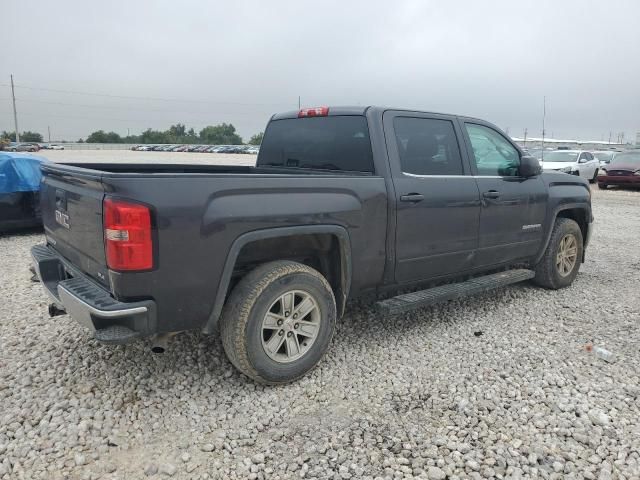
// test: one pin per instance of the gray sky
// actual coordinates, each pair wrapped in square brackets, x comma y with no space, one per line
[204,62]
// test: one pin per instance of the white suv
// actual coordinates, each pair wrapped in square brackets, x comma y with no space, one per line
[575,162]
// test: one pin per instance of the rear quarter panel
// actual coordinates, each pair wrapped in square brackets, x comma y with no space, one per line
[198,218]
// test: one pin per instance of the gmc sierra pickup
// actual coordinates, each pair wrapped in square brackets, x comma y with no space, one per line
[342,202]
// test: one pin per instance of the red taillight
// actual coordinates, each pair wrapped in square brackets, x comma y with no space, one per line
[127,235]
[314,112]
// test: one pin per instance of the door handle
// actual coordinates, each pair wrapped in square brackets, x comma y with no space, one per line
[412,197]
[491,194]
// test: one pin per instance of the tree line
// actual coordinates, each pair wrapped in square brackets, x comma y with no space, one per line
[222,134]
[25,136]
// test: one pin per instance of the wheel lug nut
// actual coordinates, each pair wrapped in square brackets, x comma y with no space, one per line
[289,334]
[286,314]
[296,325]
[281,332]
[295,315]
[279,322]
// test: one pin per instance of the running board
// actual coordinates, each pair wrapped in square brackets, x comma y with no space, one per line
[453,291]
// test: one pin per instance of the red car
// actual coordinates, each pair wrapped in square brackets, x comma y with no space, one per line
[624,169]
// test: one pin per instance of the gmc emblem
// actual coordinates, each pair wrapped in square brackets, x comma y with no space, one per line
[62,219]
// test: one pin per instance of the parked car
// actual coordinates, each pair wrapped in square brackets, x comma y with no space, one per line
[605,157]
[227,149]
[342,202]
[19,191]
[624,169]
[26,147]
[55,147]
[574,162]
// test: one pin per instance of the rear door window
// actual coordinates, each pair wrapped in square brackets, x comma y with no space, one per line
[322,143]
[427,146]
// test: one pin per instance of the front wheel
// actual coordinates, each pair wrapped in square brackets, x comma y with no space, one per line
[561,260]
[595,177]
[278,322]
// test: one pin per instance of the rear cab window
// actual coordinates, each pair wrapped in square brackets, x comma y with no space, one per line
[339,143]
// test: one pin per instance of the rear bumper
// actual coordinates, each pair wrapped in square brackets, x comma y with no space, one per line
[89,304]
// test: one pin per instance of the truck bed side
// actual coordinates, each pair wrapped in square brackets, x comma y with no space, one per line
[199,216]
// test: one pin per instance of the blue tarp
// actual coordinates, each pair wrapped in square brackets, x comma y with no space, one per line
[19,172]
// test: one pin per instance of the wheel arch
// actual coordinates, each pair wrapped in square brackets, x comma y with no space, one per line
[332,258]
[579,213]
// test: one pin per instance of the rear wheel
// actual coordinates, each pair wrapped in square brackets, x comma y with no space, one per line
[595,177]
[278,322]
[561,260]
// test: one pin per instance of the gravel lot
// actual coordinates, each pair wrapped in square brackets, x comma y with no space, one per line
[420,396]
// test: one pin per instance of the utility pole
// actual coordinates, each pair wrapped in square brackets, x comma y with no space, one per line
[15,114]
[49,132]
[298,102]
[525,137]
[544,114]
[609,138]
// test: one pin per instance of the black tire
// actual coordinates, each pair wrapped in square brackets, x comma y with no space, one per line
[595,176]
[602,186]
[243,314]
[547,272]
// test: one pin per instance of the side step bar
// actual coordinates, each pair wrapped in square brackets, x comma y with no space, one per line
[453,291]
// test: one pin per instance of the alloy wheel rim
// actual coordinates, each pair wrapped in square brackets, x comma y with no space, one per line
[567,255]
[290,327]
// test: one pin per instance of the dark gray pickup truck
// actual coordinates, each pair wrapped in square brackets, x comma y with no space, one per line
[342,202]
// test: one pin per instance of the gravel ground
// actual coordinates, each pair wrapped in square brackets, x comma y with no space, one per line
[421,396]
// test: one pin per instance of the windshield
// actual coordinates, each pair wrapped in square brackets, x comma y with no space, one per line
[560,156]
[604,156]
[631,157]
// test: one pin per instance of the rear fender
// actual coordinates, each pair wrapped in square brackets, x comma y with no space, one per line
[345,252]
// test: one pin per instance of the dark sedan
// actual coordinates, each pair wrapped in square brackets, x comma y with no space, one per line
[624,169]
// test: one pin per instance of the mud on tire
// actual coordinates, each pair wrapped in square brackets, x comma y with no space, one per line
[549,273]
[254,301]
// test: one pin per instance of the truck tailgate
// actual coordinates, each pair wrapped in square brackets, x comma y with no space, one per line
[71,201]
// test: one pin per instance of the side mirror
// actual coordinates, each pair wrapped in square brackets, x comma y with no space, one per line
[529,167]
[582,160]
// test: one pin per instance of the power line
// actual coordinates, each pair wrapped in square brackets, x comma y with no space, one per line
[180,120]
[132,97]
[125,107]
